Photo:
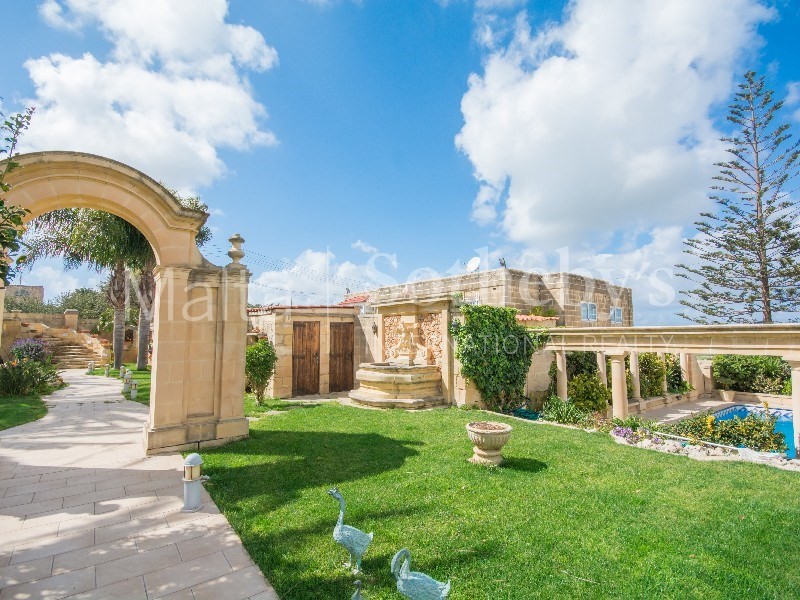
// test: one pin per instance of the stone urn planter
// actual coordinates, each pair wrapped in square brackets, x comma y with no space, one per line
[488,438]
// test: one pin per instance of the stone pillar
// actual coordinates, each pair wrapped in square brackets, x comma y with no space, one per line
[165,427]
[635,377]
[561,374]
[446,362]
[232,423]
[664,383]
[71,319]
[601,368]
[795,364]
[686,366]
[380,356]
[619,391]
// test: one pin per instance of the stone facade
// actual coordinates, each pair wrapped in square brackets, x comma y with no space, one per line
[32,292]
[432,336]
[561,292]
[277,324]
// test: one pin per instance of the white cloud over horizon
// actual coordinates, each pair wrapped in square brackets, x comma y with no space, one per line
[316,277]
[172,93]
[602,123]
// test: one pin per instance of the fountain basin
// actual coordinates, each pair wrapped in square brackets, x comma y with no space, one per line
[390,385]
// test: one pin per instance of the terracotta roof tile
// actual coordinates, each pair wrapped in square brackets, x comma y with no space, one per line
[354,300]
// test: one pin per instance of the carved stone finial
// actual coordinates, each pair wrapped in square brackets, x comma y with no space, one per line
[236,253]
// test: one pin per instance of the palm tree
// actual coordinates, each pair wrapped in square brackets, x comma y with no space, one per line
[104,241]
[100,240]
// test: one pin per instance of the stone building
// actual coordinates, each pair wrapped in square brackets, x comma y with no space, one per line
[577,301]
[321,347]
[28,292]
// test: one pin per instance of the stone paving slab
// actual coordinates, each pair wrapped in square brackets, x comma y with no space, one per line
[676,412]
[84,514]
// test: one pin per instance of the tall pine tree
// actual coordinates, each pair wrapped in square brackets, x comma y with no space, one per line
[748,254]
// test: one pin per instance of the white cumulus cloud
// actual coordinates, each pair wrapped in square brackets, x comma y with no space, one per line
[316,277]
[172,92]
[600,124]
[364,247]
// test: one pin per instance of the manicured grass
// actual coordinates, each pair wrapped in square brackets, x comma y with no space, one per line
[18,410]
[252,409]
[143,377]
[570,515]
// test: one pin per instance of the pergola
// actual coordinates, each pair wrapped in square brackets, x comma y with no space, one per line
[618,342]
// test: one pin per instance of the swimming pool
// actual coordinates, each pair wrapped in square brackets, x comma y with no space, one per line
[783,425]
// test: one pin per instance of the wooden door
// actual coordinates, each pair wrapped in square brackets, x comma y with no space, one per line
[305,358]
[341,357]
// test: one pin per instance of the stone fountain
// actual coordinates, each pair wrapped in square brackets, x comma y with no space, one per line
[407,381]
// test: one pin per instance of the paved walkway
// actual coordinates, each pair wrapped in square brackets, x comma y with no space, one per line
[83,514]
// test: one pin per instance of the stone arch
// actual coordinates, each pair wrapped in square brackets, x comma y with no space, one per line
[200,320]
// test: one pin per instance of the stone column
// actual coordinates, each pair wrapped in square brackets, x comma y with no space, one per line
[601,368]
[446,360]
[664,383]
[165,427]
[619,391]
[795,364]
[686,366]
[635,377]
[561,374]
[229,407]
[71,319]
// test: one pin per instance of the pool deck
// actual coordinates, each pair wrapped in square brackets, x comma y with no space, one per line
[681,410]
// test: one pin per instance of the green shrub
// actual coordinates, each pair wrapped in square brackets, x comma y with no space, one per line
[260,359]
[588,394]
[756,431]
[562,411]
[578,363]
[24,377]
[758,374]
[652,370]
[675,381]
[633,422]
[495,353]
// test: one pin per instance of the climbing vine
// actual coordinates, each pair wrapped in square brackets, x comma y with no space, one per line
[495,352]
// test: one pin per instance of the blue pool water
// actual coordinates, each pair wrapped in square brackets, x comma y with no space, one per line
[783,425]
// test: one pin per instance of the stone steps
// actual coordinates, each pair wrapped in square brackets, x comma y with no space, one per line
[67,354]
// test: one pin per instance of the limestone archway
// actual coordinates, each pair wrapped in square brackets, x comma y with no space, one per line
[200,316]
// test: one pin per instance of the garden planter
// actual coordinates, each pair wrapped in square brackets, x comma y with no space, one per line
[488,438]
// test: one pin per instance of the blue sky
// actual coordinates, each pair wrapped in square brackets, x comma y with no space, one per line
[381,140]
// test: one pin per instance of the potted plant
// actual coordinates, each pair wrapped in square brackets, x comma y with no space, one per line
[488,439]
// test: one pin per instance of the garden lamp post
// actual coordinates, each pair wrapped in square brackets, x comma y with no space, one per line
[126,382]
[90,367]
[193,482]
[122,370]
[108,370]
[134,389]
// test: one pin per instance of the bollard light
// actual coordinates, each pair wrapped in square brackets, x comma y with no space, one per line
[134,389]
[126,382]
[193,482]
[90,367]
[108,370]
[122,370]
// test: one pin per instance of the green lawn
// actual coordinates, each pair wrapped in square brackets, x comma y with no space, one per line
[252,409]
[143,377]
[570,515]
[18,410]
